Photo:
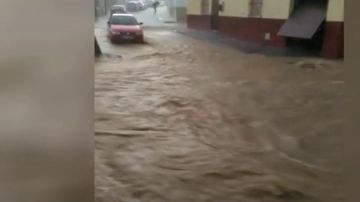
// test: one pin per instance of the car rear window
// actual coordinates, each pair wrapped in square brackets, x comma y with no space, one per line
[118,10]
[123,20]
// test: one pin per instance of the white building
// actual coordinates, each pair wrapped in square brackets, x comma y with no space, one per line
[177,9]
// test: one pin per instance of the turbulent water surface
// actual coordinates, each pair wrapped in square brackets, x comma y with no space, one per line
[180,119]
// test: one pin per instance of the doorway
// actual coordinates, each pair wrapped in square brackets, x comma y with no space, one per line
[305,28]
[313,45]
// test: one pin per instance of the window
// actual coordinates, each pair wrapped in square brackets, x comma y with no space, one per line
[205,7]
[256,8]
[123,20]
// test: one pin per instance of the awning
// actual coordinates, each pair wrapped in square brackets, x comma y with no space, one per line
[305,21]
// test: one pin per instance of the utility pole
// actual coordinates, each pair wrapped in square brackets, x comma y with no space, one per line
[176,10]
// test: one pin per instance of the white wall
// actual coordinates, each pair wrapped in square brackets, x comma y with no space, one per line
[178,3]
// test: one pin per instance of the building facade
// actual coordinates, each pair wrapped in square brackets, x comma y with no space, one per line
[280,23]
[102,7]
[177,9]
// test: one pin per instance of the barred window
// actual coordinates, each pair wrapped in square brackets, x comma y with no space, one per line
[256,8]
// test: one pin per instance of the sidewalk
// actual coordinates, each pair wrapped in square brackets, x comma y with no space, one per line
[244,46]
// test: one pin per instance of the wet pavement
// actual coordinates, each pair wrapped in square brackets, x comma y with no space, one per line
[183,119]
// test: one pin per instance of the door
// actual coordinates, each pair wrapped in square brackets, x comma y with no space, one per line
[214,18]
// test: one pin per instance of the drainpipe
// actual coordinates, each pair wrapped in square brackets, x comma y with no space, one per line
[175,5]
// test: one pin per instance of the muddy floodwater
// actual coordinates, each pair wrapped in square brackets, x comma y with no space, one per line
[180,119]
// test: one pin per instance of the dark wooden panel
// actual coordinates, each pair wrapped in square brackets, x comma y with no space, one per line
[333,46]
[252,29]
[198,22]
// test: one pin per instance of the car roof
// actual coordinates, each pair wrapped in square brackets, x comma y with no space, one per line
[118,6]
[123,14]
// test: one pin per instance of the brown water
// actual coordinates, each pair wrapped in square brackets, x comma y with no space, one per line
[180,119]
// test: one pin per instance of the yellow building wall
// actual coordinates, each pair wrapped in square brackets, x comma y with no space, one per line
[273,9]
[236,8]
[276,9]
[335,11]
[193,7]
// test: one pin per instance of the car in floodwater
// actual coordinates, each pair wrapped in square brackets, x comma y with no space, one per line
[118,9]
[132,6]
[141,5]
[125,27]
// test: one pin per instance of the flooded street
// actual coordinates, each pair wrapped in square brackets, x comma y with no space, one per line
[180,119]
